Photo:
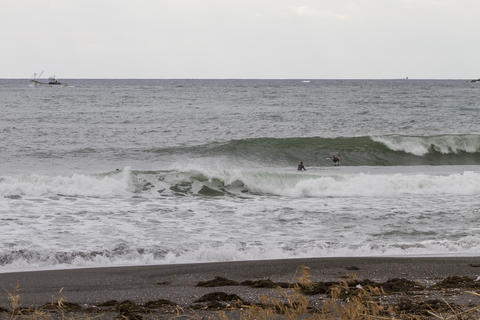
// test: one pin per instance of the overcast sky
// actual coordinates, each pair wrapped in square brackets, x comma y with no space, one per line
[240,38]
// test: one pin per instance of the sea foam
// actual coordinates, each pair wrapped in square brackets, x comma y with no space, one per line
[112,184]
[208,181]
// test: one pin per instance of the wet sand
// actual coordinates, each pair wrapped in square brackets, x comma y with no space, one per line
[178,282]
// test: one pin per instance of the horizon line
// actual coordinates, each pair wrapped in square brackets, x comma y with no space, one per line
[112,78]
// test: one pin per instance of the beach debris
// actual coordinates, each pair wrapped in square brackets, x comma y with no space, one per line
[218,282]
[61,305]
[313,288]
[213,306]
[456,282]
[218,301]
[91,309]
[349,276]
[23,311]
[425,308]
[129,316]
[474,265]
[129,306]
[352,268]
[129,310]
[266,283]
[156,304]
[218,296]
[431,301]
[352,286]
[400,285]
[109,303]
[263,283]
[317,288]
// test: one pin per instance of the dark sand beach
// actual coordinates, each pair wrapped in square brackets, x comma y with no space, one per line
[178,283]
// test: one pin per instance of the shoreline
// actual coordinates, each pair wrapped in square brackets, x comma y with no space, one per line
[178,282]
[73,268]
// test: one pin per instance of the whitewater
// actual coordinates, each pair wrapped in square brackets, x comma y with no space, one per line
[137,172]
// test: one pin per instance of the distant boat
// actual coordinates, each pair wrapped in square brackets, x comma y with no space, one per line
[475,80]
[52,81]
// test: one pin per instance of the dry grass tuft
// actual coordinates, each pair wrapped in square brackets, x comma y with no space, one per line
[349,299]
[58,308]
[346,302]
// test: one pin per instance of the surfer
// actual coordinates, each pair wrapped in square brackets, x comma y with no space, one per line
[301,167]
[336,161]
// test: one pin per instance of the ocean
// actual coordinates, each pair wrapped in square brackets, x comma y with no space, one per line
[137,172]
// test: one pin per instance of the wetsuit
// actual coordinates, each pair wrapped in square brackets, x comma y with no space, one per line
[336,161]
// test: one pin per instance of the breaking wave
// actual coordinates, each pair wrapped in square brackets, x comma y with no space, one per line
[109,184]
[126,255]
[316,182]
[442,144]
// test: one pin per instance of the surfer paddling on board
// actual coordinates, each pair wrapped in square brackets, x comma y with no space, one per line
[301,167]
[336,160]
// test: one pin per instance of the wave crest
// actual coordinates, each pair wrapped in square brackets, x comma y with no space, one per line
[386,150]
[420,146]
[108,184]
[213,182]
[320,184]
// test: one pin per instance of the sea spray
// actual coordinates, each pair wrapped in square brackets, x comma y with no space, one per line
[28,260]
[420,146]
[108,184]
[316,182]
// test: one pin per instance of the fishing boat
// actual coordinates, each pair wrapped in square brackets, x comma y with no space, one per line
[52,81]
